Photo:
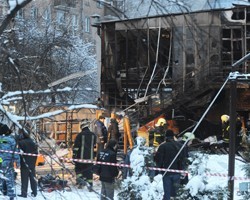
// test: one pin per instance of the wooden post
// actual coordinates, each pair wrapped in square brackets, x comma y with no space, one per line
[98,113]
[54,125]
[125,139]
[128,131]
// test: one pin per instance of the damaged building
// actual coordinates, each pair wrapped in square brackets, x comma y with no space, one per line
[174,63]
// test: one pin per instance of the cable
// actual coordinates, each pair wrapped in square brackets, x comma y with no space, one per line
[198,123]
[156,59]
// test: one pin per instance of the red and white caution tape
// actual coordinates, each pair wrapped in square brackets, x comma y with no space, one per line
[125,165]
[98,162]
[95,162]
[20,153]
[228,177]
[122,165]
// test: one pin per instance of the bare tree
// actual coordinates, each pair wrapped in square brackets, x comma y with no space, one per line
[13,11]
[36,54]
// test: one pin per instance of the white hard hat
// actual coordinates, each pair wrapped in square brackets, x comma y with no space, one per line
[84,123]
[188,136]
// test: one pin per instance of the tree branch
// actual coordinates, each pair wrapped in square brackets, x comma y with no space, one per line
[11,15]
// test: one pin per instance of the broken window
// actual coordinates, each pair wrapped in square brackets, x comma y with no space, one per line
[136,50]
[134,54]
[232,48]
[238,14]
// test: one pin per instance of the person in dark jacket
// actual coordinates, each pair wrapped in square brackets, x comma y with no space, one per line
[101,132]
[83,148]
[165,154]
[28,164]
[108,173]
[113,129]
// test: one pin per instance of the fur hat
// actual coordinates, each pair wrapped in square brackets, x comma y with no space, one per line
[4,130]
[169,134]
[84,123]
[101,117]
[119,117]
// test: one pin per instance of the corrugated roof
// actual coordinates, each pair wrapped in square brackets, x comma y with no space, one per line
[146,8]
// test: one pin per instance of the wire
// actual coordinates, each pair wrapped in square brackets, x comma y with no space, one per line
[156,59]
[198,123]
[167,70]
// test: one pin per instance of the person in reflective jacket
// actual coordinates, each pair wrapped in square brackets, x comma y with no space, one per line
[157,135]
[225,123]
[84,149]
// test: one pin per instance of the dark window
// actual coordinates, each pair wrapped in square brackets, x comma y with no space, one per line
[67,3]
[238,14]
[232,49]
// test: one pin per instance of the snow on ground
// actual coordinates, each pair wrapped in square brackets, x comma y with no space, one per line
[216,164]
[217,174]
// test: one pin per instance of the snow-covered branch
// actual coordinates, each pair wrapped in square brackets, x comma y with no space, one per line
[15,6]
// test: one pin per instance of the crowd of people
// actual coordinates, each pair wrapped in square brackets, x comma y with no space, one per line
[164,141]
[106,140]
[107,143]
[170,153]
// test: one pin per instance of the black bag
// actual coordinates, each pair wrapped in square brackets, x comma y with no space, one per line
[51,183]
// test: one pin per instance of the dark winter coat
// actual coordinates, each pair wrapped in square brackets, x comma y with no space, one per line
[101,132]
[27,145]
[166,153]
[157,136]
[84,145]
[28,164]
[107,173]
[113,130]
[226,131]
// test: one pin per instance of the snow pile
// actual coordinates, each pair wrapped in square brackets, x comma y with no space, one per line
[208,176]
[142,184]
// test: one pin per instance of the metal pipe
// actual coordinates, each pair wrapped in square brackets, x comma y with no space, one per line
[239,62]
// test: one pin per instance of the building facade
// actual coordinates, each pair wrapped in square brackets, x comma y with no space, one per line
[176,63]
